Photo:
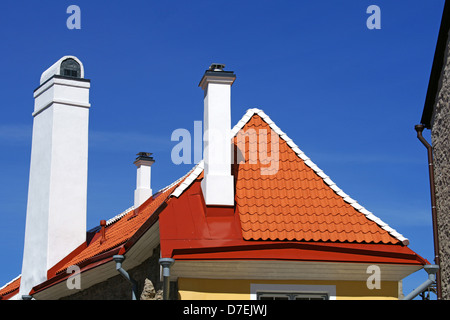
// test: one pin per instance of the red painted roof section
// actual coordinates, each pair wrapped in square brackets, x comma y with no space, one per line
[293,202]
[189,230]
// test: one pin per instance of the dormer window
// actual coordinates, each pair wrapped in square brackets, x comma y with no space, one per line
[70,68]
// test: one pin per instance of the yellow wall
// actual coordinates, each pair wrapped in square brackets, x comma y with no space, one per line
[215,289]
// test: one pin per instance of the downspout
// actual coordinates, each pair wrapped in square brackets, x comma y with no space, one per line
[166,263]
[432,271]
[119,259]
[419,128]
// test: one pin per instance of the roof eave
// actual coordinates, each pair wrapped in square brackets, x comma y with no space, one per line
[84,266]
[436,69]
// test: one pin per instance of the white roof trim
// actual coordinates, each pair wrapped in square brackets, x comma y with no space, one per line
[119,216]
[194,173]
[241,123]
[124,213]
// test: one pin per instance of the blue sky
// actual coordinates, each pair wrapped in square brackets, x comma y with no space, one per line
[348,96]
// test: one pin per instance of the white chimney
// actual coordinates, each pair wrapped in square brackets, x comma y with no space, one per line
[57,191]
[143,190]
[218,183]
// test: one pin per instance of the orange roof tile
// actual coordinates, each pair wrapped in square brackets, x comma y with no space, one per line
[293,202]
[10,287]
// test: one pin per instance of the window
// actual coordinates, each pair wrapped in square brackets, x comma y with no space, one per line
[261,291]
[70,68]
[70,73]
[291,296]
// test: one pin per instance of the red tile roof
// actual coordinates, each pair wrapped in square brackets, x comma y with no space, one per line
[10,288]
[119,231]
[294,203]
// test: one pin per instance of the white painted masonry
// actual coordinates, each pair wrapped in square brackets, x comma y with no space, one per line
[143,180]
[218,183]
[57,191]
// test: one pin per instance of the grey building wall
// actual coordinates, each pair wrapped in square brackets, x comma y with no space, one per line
[147,275]
[440,135]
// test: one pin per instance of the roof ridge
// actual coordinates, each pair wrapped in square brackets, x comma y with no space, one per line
[190,177]
[124,213]
[119,216]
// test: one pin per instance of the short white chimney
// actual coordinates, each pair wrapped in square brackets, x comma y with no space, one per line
[143,190]
[57,191]
[218,183]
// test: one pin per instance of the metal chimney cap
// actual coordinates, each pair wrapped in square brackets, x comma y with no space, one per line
[216,67]
[216,73]
[144,156]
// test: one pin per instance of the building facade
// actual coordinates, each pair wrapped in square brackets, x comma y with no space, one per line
[436,116]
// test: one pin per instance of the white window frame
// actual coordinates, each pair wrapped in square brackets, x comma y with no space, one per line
[256,288]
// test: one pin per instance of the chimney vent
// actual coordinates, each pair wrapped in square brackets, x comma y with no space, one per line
[102,230]
[144,156]
[216,67]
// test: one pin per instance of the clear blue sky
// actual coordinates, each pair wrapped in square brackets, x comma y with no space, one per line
[348,96]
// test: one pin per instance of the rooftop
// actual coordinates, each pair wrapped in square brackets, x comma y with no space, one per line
[294,204]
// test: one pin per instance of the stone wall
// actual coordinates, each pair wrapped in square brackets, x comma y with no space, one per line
[117,288]
[440,134]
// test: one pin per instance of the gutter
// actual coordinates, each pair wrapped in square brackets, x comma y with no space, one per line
[419,128]
[432,271]
[166,263]
[119,259]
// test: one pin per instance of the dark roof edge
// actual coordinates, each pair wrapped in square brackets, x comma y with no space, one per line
[436,68]
[84,266]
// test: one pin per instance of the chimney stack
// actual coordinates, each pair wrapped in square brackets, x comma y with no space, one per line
[57,191]
[143,190]
[218,183]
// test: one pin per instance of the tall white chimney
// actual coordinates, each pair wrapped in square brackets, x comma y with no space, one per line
[218,183]
[143,190]
[57,191]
